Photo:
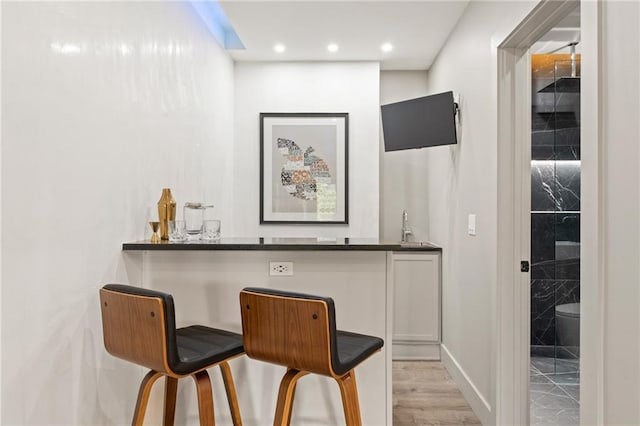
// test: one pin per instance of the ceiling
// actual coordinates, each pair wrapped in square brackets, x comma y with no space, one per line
[416,29]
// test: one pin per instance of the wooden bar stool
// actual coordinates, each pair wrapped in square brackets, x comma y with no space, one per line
[299,332]
[139,326]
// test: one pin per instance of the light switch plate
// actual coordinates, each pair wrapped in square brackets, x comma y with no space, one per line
[471,227]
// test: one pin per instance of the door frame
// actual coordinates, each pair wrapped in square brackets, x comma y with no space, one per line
[514,216]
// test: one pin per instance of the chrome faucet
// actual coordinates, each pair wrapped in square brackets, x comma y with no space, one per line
[406,230]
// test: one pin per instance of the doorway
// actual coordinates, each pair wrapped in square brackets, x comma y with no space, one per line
[513,289]
[554,381]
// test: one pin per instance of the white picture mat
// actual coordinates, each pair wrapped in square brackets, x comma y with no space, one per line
[340,179]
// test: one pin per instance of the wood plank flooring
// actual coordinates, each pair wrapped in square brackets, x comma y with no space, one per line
[425,394]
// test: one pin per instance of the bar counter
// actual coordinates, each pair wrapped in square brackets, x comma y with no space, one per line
[280,244]
[206,279]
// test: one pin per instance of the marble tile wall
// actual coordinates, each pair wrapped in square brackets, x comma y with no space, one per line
[546,294]
[555,185]
[555,199]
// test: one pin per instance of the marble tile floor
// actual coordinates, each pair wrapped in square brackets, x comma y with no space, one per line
[425,394]
[554,391]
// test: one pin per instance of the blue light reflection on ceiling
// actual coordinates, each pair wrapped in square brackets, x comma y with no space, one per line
[217,23]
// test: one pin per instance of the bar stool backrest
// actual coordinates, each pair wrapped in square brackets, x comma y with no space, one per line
[290,329]
[138,325]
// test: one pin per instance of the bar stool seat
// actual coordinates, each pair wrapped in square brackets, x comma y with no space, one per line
[200,346]
[139,326]
[299,332]
[352,349]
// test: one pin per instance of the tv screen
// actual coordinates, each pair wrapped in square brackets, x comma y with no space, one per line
[419,123]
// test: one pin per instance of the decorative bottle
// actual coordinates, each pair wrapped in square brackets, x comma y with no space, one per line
[166,212]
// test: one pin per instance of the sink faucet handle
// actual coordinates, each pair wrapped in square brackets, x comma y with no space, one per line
[406,230]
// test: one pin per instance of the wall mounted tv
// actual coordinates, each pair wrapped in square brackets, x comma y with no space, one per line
[420,122]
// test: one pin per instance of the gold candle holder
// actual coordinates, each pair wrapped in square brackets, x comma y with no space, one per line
[154,227]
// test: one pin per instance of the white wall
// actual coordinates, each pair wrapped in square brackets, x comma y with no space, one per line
[1,274]
[462,180]
[403,173]
[619,156]
[103,105]
[308,87]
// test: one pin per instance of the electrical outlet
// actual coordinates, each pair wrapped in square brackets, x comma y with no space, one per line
[281,268]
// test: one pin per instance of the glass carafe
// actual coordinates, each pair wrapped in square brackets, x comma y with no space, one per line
[193,214]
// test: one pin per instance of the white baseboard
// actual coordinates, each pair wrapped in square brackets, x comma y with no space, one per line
[416,352]
[478,403]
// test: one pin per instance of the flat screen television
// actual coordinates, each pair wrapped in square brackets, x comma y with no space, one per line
[420,122]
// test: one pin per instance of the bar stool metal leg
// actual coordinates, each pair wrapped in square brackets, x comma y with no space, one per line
[143,396]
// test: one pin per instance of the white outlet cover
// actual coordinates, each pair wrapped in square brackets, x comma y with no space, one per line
[281,268]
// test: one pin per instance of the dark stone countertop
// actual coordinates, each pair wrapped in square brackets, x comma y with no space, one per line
[285,244]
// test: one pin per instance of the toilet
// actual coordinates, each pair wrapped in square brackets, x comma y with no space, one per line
[568,324]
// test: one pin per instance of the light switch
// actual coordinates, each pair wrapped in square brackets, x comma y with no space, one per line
[472,224]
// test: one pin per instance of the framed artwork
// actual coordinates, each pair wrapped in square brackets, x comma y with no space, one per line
[304,168]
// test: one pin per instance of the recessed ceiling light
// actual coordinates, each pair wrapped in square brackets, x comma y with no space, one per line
[387,47]
[279,48]
[332,47]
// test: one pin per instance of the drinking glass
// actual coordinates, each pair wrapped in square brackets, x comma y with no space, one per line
[177,230]
[211,230]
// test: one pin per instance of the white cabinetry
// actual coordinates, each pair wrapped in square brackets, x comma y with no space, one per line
[416,291]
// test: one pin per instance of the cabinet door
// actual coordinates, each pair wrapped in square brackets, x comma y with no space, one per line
[416,292]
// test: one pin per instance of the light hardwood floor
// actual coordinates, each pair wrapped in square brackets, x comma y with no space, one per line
[425,394]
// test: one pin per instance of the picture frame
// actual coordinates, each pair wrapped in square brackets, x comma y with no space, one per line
[304,168]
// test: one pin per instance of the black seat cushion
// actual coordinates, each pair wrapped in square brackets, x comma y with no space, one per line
[352,349]
[200,346]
